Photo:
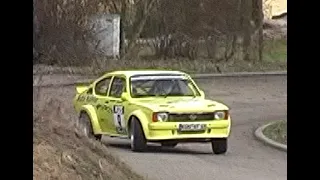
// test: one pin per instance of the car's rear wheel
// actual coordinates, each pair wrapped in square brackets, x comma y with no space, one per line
[85,128]
[169,144]
[219,145]
[138,140]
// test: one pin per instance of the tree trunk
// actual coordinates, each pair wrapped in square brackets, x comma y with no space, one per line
[260,44]
[246,24]
[260,25]
[137,31]
[122,23]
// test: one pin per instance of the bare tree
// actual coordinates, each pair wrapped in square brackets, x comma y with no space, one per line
[145,7]
[258,14]
[179,28]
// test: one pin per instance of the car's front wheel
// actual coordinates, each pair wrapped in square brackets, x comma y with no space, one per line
[219,145]
[138,140]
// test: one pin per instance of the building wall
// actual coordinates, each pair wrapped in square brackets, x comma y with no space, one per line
[273,8]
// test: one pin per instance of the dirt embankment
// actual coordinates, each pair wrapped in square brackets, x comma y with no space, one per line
[60,154]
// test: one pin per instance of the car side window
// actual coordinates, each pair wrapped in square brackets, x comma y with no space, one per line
[118,86]
[102,87]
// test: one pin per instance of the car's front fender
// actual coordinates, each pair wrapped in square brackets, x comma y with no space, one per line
[90,110]
[229,128]
[143,119]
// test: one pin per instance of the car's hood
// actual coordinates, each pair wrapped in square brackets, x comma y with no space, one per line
[182,105]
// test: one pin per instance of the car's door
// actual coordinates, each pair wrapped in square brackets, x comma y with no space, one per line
[104,112]
[118,86]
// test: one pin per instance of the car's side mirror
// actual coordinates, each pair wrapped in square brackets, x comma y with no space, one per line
[202,94]
[125,96]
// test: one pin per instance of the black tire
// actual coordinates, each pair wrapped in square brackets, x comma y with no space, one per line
[219,146]
[138,140]
[85,127]
[169,144]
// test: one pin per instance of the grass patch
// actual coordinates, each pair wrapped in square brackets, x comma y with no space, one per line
[277,132]
[275,50]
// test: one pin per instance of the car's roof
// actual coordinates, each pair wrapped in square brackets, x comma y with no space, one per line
[130,73]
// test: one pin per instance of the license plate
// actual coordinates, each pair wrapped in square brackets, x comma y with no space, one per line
[192,127]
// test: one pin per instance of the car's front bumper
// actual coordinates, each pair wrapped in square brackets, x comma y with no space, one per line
[170,130]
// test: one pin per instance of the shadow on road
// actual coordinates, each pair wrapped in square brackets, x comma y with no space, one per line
[152,148]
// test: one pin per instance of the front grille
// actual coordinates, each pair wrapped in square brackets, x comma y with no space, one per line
[188,117]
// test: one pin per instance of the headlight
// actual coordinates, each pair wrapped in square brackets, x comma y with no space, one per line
[160,117]
[219,115]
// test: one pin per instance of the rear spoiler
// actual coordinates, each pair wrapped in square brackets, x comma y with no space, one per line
[81,87]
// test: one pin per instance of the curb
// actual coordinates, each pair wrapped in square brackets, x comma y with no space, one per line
[260,136]
[200,75]
[194,76]
[63,84]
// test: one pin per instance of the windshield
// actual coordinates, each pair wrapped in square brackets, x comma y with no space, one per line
[162,85]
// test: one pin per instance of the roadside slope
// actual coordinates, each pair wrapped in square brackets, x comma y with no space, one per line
[61,154]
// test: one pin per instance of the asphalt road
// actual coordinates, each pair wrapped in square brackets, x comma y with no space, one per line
[253,100]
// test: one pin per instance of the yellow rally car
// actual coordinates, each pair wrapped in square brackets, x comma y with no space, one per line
[151,106]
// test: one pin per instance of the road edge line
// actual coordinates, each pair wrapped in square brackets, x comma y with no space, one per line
[194,76]
[239,74]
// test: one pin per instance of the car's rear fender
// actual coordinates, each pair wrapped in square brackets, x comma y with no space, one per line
[89,109]
[142,118]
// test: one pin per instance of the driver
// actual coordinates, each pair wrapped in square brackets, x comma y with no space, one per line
[162,87]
